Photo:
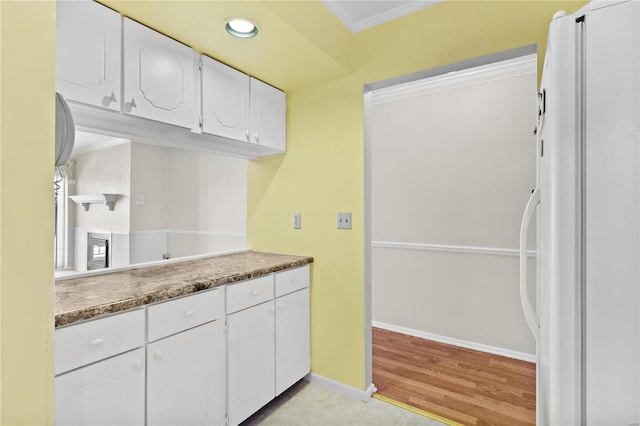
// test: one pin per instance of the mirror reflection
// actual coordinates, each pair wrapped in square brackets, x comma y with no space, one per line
[120,202]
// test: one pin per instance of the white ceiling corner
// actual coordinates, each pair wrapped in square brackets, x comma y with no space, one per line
[88,142]
[359,15]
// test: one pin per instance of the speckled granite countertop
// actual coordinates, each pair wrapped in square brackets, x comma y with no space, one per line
[84,298]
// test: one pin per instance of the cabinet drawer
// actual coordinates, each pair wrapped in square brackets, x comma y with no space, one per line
[81,344]
[180,314]
[249,293]
[292,280]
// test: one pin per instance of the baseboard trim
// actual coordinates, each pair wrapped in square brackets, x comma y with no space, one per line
[341,388]
[457,342]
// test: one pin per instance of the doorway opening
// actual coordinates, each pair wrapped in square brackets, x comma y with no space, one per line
[449,166]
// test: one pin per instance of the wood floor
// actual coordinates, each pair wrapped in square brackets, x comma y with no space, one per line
[466,386]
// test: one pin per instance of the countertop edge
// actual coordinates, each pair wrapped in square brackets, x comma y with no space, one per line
[184,289]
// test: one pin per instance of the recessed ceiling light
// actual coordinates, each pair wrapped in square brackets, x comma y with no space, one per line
[241,27]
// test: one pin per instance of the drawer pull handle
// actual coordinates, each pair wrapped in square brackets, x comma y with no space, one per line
[295,280]
[96,342]
[158,355]
[254,292]
[190,313]
[137,365]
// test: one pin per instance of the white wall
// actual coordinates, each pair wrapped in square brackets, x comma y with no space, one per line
[453,165]
[104,171]
[148,180]
[208,209]
[194,203]
[208,192]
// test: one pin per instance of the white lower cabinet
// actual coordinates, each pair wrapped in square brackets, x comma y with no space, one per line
[267,339]
[251,352]
[186,378]
[187,372]
[109,392]
[292,339]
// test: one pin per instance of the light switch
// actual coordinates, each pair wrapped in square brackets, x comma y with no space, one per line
[343,220]
[139,200]
[297,221]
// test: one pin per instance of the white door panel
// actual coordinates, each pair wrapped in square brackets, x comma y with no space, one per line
[225,102]
[251,360]
[186,379]
[88,53]
[109,392]
[292,339]
[268,115]
[158,76]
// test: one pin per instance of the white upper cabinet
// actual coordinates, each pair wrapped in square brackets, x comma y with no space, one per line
[158,76]
[108,61]
[268,115]
[225,101]
[88,57]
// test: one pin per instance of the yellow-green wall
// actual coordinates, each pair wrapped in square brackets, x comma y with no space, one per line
[322,172]
[27,117]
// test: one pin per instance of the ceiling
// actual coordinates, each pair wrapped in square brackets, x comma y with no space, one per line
[301,43]
[359,15]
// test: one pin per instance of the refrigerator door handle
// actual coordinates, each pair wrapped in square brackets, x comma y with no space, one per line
[527,307]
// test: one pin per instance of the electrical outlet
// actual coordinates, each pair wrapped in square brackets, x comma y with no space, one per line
[343,221]
[297,221]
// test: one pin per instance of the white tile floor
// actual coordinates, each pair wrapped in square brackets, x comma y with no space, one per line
[312,404]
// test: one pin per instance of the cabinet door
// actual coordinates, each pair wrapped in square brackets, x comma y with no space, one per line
[225,101]
[292,339]
[268,114]
[251,361]
[88,50]
[158,76]
[186,378]
[109,392]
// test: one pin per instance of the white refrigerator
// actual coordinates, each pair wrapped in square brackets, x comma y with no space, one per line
[587,318]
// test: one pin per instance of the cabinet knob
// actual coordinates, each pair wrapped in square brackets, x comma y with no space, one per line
[254,293]
[247,135]
[96,342]
[272,309]
[108,100]
[128,106]
[295,280]
[189,313]
[256,136]
[158,355]
[137,365]
[281,306]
